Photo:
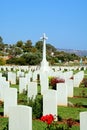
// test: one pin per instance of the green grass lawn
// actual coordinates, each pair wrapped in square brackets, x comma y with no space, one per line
[79,91]
[36,125]
[70,112]
[78,101]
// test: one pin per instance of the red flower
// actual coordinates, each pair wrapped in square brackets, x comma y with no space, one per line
[48,119]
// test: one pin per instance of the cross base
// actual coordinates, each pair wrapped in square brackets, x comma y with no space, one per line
[44,66]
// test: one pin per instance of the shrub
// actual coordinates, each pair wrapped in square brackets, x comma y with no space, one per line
[84,82]
[82,68]
[1,104]
[65,70]
[83,93]
[17,81]
[59,118]
[11,69]
[5,74]
[37,106]
[22,98]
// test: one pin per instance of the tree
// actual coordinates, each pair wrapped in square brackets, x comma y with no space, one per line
[21,61]
[39,46]
[1,44]
[32,58]
[17,51]
[50,48]
[33,49]
[19,44]
[11,61]
[27,46]
[1,40]
[2,61]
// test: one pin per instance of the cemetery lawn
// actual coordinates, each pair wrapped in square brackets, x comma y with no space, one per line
[37,125]
[80,92]
[79,102]
[70,112]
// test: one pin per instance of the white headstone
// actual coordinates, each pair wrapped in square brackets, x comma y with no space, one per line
[70,87]
[83,120]
[32,90]
[67,75]
[0,74]
[44,82]
[62,94]
[12,77]
[20,118]
[10,99]
[2,79]
[50,103]
[35,73]
[20,74]
[4,85]
[78,77]
[28,77]
[22,84]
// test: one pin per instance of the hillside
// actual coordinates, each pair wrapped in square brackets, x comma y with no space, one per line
[77,52]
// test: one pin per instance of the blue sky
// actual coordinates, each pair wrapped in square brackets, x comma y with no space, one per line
[63,21]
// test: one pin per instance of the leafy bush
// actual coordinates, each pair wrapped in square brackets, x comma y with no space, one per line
[84,82]
[17,81]
[1,104]
[83,94]
[37,106]
[5,74]
[2,61]
[59,118]
[54,80]
[82,68]
[22,98]
[65,70]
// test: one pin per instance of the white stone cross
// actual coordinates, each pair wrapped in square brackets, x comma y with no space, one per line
[44,63]
[44,38]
